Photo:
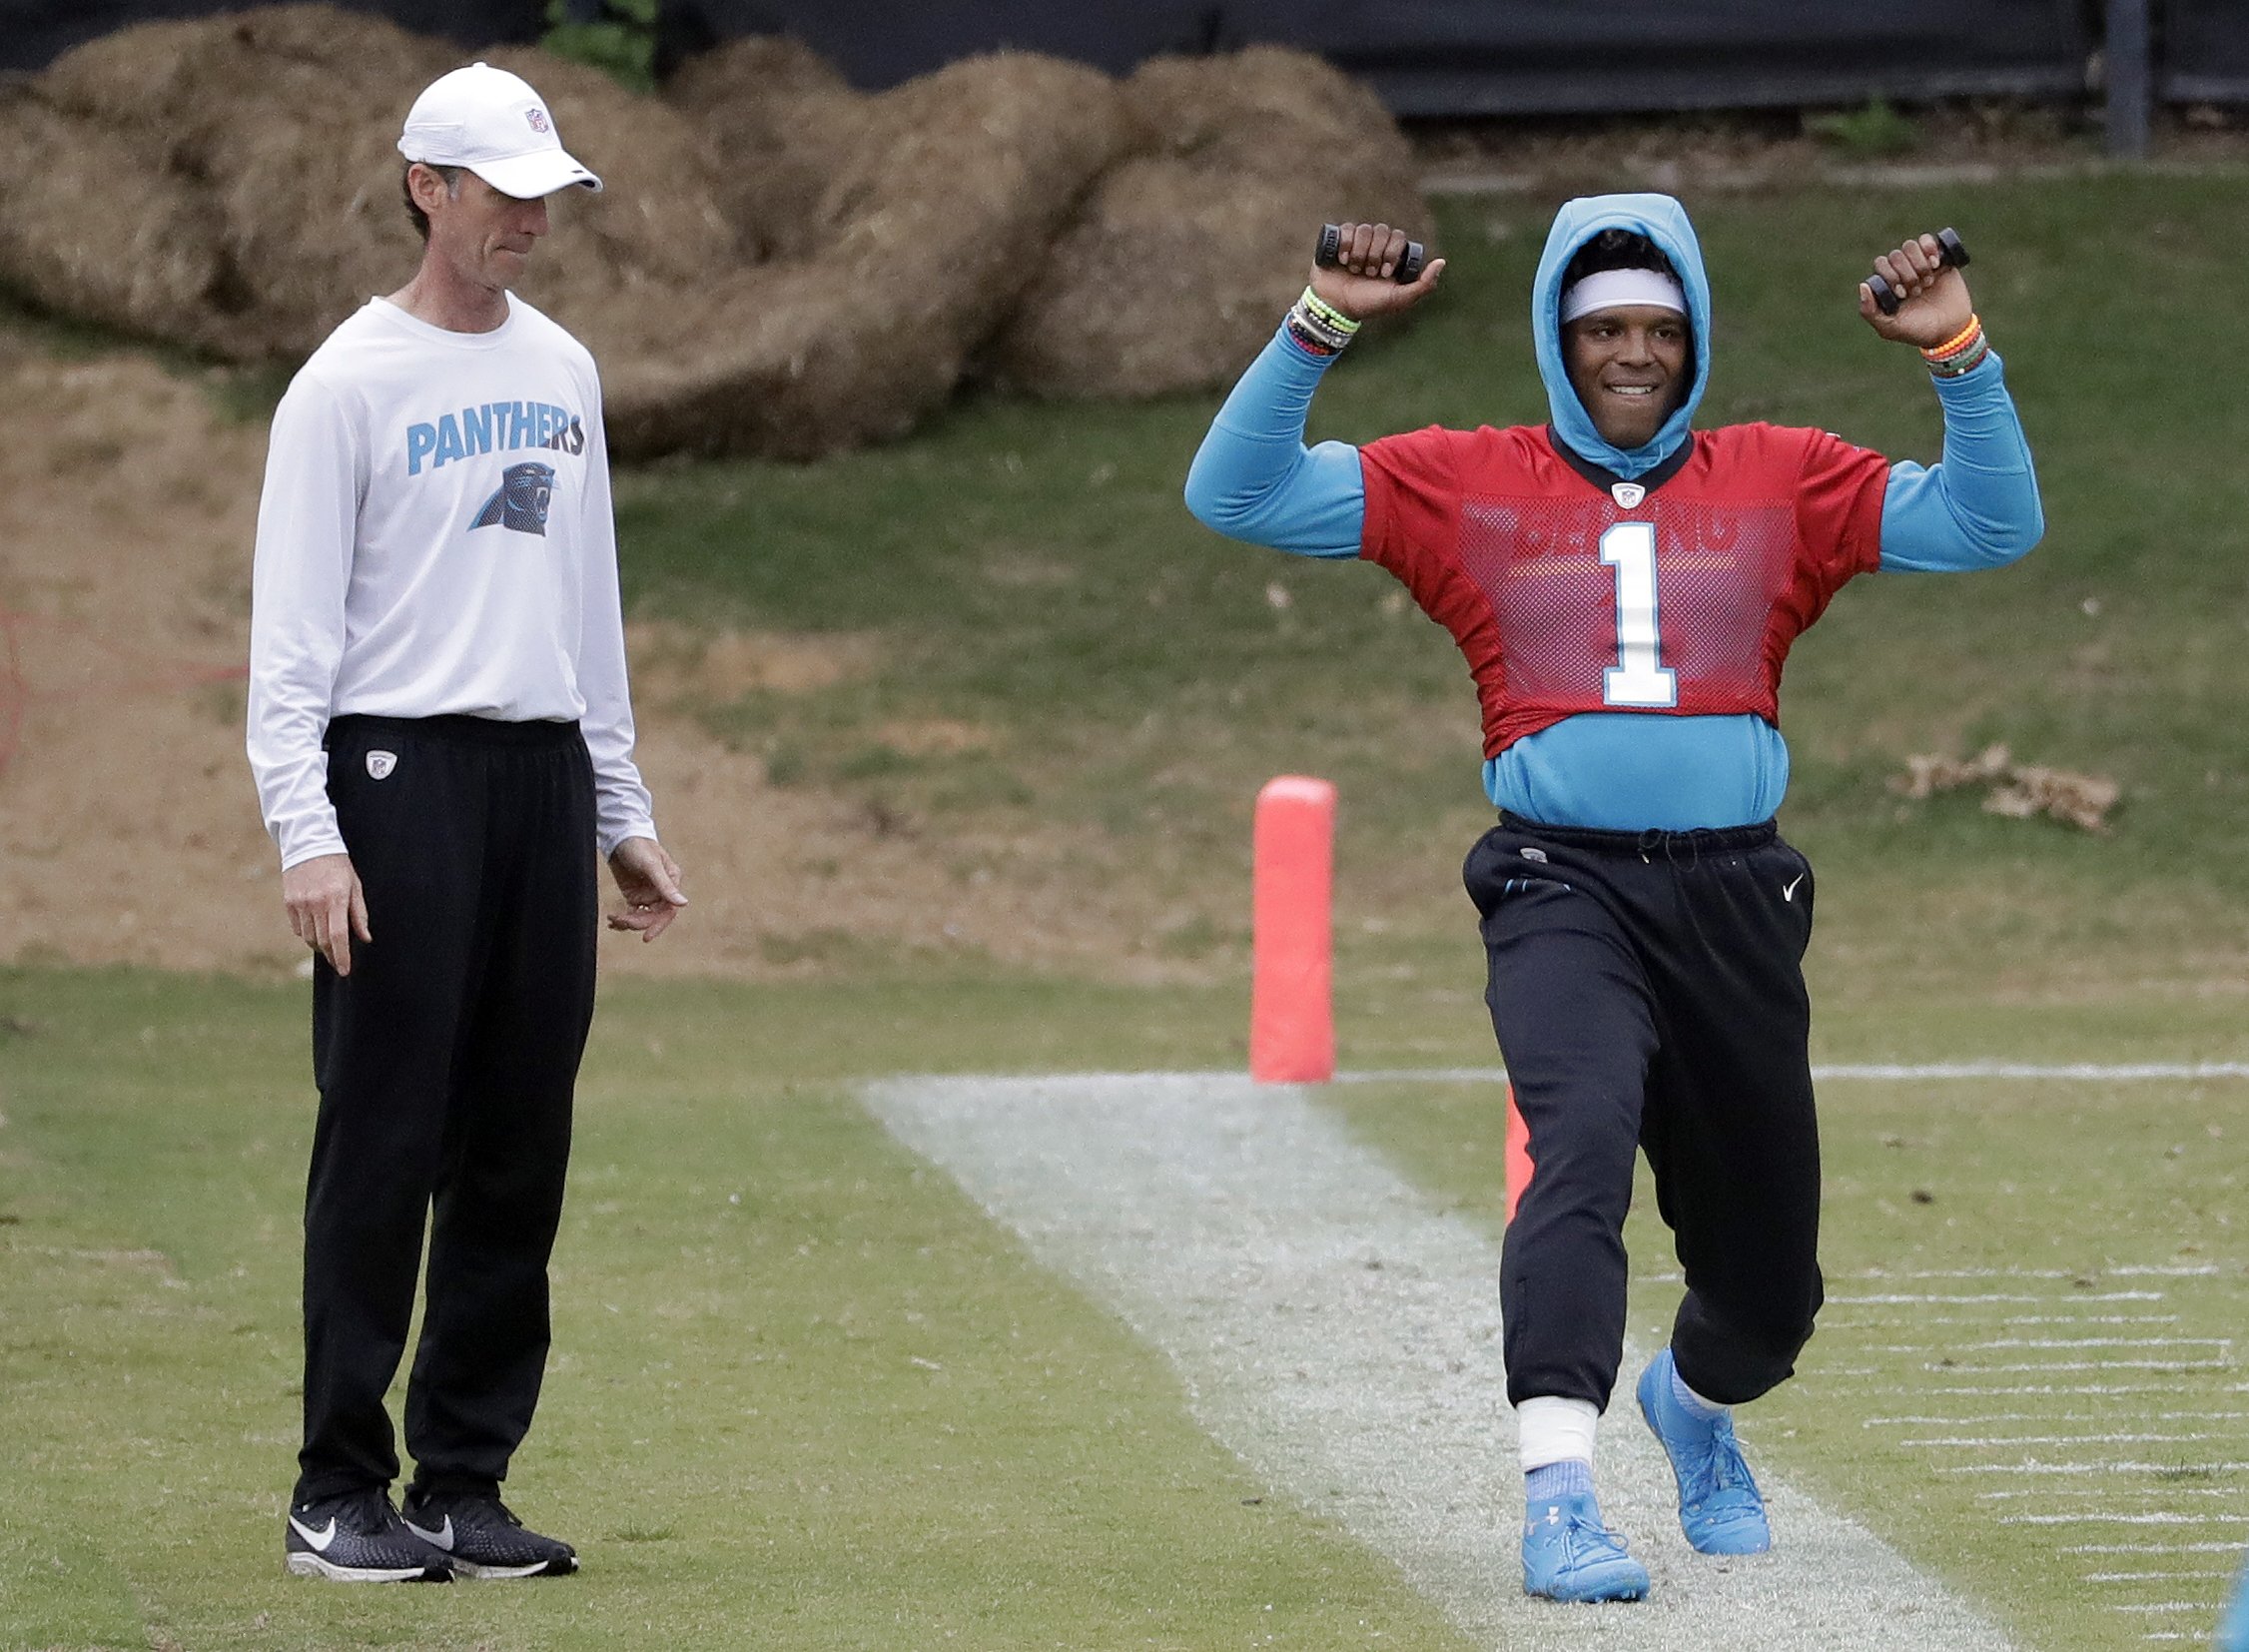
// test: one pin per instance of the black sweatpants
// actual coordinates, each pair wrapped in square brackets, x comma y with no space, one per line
[1648,990]
[445,1063]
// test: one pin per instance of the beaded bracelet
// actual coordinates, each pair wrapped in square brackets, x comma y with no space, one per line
[1320,327]
[1965,364]
[1962,353]
[1308,341]
[1327,313]
[1952,345]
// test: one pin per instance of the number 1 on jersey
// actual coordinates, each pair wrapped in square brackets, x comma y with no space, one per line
[1638,677]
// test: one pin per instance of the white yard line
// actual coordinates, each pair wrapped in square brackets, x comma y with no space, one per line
[2002,1299]
[1884,1072]
[2044,1416]
[1924,1298]
[2085,1468]
[2102,1391]
[2091,1343]
[2166,1496]
[2079,1366]
[2048,1343]
[2164,1517]
[1340,1332]
[1997,1440]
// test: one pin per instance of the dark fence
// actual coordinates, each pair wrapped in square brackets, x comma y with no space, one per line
[1484,57]
[878,43]
[1460,57]
[2205,52]
[1425,57]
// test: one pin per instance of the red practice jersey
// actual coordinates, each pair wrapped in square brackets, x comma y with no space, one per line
[1565,598]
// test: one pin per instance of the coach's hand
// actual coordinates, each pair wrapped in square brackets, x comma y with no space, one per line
[326,907]
[1932,297]
[1360,284]
[648,878]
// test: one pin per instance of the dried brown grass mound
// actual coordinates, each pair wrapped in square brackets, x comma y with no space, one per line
[267,129]
[258,149]
[932,217]
[86,229]
[776,118]
[780,265]
[1184,260]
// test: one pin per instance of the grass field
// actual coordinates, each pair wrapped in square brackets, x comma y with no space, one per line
[806,1395]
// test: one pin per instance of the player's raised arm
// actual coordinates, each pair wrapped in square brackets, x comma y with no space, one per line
[1978,507]
[1253,479]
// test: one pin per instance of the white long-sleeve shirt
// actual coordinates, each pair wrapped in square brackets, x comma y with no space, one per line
[436,538]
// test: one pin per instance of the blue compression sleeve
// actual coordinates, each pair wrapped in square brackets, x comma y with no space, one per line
[1253,479]
[1979,508]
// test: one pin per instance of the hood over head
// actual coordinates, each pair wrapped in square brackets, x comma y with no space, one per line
[1663,221]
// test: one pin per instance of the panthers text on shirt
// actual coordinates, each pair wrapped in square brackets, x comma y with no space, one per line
[493,427]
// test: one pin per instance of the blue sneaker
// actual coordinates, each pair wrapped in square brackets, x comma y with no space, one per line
[2233,1633]
[1720,1507]
[1567,1554]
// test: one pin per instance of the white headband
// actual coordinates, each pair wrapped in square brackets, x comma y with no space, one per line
[1606,288]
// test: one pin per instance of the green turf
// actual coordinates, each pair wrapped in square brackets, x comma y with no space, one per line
[848,1408]
[802,1395]
[2086,1180]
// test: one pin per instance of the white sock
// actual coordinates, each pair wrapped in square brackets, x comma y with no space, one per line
[1692,1404]
[1556,1431]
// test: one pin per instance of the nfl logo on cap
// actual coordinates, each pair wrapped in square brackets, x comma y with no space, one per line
[468,119]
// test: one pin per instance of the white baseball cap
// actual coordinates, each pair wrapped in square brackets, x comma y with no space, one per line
[492,123]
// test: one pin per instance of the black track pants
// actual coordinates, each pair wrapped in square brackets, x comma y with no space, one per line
[445,1063]
[1648,990]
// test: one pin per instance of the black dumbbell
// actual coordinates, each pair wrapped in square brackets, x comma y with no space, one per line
[1950,250]
[1330,252]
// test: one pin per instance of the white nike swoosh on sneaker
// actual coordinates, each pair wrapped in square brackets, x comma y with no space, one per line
[1789,893]
[319,1539]
[441,1538]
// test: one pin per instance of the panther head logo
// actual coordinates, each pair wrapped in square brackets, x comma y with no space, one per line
[524,494]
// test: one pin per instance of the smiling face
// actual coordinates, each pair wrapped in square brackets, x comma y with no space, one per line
[1631,367]
[486,237]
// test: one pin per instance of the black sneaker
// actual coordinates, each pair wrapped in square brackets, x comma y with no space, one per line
[482,1539]
[359,1538]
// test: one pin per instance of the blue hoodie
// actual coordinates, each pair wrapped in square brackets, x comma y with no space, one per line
[1253,479]
[1664,222]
